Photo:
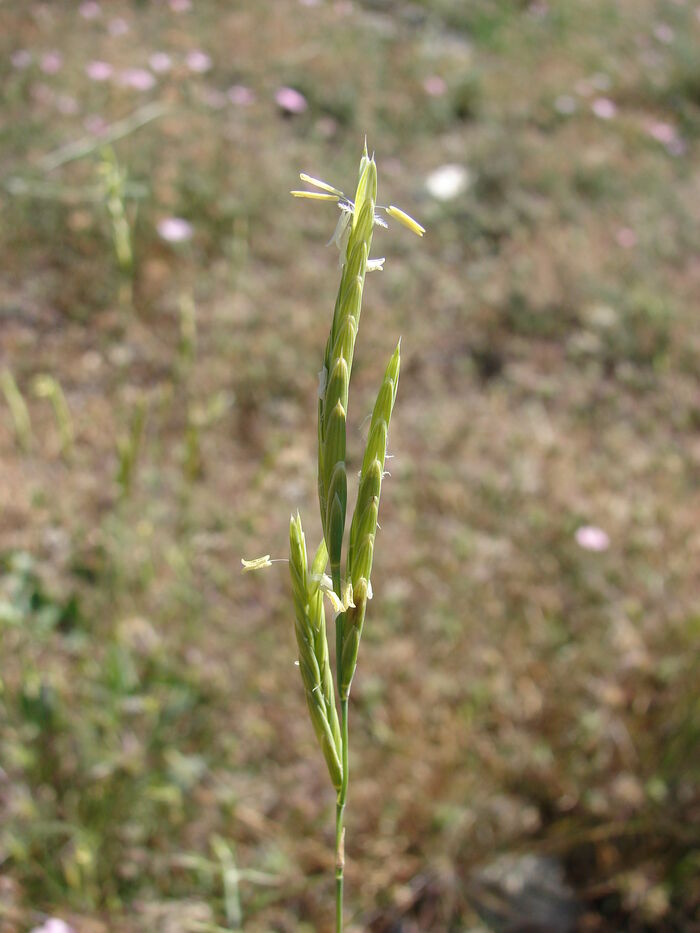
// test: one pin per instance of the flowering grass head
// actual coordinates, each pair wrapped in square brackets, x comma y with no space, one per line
[349,587]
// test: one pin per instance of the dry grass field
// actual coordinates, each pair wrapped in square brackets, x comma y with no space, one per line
[526,704]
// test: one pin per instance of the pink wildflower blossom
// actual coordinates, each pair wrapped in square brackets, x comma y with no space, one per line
[90,9]
[240,95]
[604,108]
[53,925]
[160,62]
[663,133]
[137,78]
[95,124]
[21,58]
[626,238]
[565,104]
[99,71]
[664,33]
[435,86]
[175,229]
[291,101]
[118,27]
[51,62]
[198,61]
[66,104]
[591,538]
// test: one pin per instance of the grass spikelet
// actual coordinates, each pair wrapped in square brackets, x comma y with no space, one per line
[363,528]
[310,629]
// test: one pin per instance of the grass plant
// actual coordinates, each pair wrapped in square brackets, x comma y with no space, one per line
[348,588]
[21,420]
[46,386]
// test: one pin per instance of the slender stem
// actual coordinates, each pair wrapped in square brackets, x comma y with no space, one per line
[339,828]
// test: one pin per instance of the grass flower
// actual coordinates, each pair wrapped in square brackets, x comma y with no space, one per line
[257,563]
[348,587]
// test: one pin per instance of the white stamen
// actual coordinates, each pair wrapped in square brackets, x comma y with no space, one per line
[376,265]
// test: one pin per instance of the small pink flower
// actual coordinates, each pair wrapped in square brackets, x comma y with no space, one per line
[160,62]
[604,108]
[591,538]
[663,133]
[90,9]
[327,127]
[175,229]
[601,81]
[51,62]
[240,95]
[290,101]
[626,238]
[664,33]
[66,104]
[214,98]
[198,61]
[180,6]
[99,71]
[42,93]
[53,925]
[435,86]
[137,78]
[21,58]
[118,27]
[565,104]
[676,147]
[95,124]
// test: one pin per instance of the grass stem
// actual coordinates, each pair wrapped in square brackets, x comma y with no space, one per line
[339,828]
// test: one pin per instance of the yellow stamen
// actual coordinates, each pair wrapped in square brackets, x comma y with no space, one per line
[315,195]
[317,183]
[405,219]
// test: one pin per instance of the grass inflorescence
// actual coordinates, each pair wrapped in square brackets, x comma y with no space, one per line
[347,591]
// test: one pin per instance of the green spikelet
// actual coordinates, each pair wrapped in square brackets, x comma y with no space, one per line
[364,522]
[340,348]
[310,629]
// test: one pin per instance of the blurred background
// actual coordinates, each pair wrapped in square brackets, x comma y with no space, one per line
[525,719]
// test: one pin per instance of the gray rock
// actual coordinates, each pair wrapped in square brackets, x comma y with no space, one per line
[525,894]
